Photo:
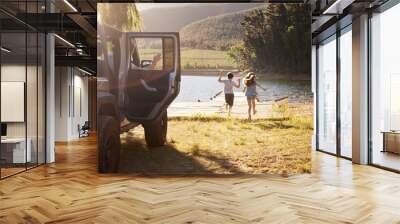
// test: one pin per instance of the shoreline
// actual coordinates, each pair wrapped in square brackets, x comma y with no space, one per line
[216,107]
[264,76]
[291,102]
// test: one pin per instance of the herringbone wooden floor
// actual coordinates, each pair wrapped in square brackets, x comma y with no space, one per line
[71,191]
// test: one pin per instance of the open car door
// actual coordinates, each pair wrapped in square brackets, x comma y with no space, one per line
[138,78]
[152,79]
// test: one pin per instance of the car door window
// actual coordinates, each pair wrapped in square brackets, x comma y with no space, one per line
[147,53]
[152,53]
[168,53]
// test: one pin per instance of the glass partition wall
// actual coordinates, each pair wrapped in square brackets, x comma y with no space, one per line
[13,85]
[326,61]
[345,90]
[22,96]
[385,89]
[334,94]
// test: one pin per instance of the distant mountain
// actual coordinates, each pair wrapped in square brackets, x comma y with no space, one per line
[174,18]
[216,32]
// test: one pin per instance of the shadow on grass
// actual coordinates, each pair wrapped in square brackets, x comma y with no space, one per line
[223,163]
[137,158]
[267,126]
[218,118]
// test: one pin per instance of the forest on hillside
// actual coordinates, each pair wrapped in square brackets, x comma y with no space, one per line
[214,33]
[270,39]
[266,38]
[276,40]
[174,18]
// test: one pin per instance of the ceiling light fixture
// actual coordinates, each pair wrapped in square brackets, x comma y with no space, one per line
[333,6]
[5,50]
[70,5]
[337,7]
[84,71]
[80,51]
[64,40]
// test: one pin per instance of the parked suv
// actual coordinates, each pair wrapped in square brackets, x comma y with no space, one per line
[138,78]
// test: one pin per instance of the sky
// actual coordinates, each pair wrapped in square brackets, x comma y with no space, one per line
[146,6]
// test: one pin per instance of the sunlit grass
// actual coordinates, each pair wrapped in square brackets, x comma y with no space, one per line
[214,144]
[260,146]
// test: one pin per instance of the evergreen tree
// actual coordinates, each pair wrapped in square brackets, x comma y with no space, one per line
[276,39]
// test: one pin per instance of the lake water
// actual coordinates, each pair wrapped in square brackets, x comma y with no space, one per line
[194,88]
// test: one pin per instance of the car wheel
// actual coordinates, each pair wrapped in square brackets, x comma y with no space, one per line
[109,145]
[156,132]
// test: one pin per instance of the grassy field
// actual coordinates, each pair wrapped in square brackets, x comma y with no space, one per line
[205,59]
[214,145]
[192,59]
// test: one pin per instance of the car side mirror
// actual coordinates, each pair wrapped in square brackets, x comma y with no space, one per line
[146,63]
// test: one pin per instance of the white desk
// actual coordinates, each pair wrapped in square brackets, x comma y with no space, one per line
[17,146]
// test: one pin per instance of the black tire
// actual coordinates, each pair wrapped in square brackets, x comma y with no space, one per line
[109,145]
[156,132]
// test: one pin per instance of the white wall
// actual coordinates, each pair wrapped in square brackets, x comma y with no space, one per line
[62,82]
[70,84]
[80,89]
